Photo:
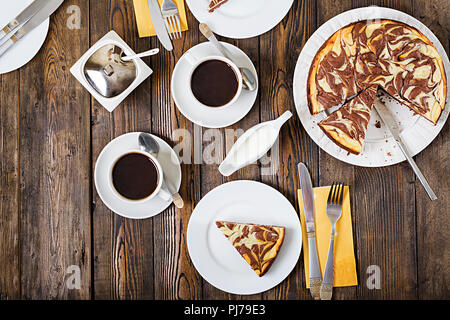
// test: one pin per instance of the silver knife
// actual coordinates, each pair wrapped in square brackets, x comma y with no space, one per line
[37,19]
[158,24]
[392,126]
[315,278]
[26,14]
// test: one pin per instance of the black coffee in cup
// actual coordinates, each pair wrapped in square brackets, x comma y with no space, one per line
[214,83]
[135,176]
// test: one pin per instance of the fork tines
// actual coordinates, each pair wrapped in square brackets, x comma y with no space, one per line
[336,193]
[173,26]
[171,18]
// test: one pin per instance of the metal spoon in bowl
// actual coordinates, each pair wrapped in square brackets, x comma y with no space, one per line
[248,79]
[148,144]
[140,55]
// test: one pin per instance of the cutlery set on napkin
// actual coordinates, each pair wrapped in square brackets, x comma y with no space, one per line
[166,21]
[325,218]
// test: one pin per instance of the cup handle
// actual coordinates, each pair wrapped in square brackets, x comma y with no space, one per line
[190,58]
[164,192]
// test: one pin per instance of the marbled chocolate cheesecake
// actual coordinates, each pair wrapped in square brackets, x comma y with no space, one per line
[382,53]
[257,244]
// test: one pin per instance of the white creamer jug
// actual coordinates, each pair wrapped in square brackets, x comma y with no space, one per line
[253,144]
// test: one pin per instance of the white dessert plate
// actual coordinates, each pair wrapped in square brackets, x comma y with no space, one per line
[380,148]
[241,19]
[25,49]
[214,256]
[207,116]
[120,145]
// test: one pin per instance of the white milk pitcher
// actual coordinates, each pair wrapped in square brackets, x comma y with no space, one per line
[253,144]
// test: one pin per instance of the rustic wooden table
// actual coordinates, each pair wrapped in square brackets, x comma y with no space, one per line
[52,131]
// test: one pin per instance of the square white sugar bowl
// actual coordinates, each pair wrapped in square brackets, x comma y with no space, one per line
[142,71]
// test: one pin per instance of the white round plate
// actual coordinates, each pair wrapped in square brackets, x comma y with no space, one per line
[25,49]
[194,110]
[380,148]
[241,19]
[120,145]
[217,260]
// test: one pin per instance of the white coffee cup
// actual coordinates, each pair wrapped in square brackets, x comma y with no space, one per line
[160,191]
[195,62]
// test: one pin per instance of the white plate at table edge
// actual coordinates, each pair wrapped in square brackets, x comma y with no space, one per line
[244,280]
[374,154]
[24,50]
[222,22]
[144,209]
[194,110]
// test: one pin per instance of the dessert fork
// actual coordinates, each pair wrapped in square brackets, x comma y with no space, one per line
[171,18]
[334,211]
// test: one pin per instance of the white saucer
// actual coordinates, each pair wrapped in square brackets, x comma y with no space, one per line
[194,110]
[25,49]
[217,260]
[129,141]
[241,19]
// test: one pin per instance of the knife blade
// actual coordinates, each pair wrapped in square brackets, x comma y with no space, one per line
[23,16]
[158,24]
[34,21]
[315,278]
[393,128]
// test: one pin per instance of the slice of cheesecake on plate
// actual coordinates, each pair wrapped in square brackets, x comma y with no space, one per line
[257,244]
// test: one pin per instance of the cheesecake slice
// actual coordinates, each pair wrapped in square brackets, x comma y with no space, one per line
[347,126]
[257,244]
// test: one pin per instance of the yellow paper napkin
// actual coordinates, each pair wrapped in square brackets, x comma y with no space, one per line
[344,271]
[144,22]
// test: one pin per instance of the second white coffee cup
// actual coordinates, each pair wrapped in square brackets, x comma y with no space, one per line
[195,62]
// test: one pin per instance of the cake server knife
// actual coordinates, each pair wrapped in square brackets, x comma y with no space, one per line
[315,278]
[37,19]
[23,16]
[392,126]
[158,24]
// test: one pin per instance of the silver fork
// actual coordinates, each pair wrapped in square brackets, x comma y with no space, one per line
[334,211]
[171,18]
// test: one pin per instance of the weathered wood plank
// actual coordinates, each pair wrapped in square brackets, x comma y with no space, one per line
[432,216]
[211,176]
[209,173]
[9,187]
[251,172]
[384,216]
[54,169]
[174,274]
[330,168]
[361,193]
[123,251]
[279,50]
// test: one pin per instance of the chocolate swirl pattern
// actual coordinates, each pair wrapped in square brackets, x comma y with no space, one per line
[347,126]
[257,244]
[386,54]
